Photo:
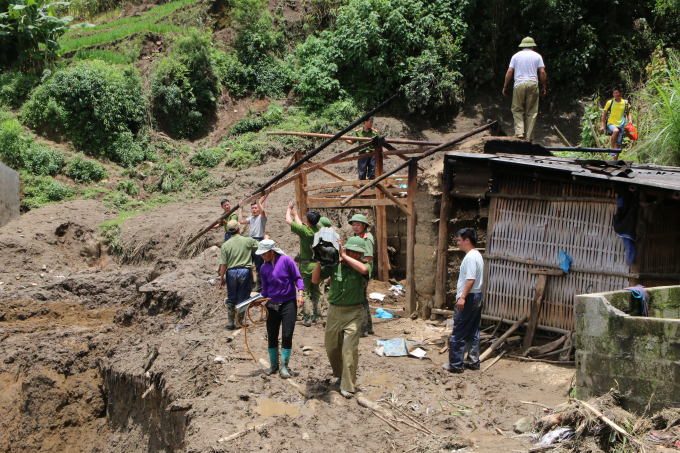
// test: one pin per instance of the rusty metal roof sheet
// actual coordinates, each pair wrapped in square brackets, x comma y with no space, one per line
[640,174]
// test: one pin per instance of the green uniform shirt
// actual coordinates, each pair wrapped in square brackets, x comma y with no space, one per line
[347,284]
[234,216]
[370,243]
[236,251]
[306,234]
[360,132]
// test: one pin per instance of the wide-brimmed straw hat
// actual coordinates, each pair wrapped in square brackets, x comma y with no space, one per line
[528,42]
[267,245]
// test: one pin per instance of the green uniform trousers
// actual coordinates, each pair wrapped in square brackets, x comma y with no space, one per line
[525,108]
[343,329]
[312,294]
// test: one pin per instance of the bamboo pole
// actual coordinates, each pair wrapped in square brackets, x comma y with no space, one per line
[396,141]
[503,337]
[417,158]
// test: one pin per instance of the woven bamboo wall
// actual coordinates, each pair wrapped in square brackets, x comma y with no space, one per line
[538,230]
[660,241]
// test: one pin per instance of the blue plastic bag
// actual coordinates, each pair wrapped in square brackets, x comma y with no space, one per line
[380,313]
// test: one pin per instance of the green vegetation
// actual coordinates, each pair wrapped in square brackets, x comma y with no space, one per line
[22,153]
[103,55]
[40,190]
[117,33]
[127,186]
[85,170]
[101,108]
[15,87]
[184,87]
[207,157]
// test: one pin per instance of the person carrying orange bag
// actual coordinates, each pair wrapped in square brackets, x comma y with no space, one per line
[615,117]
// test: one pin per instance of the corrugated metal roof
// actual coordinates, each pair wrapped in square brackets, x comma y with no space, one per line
[641,174]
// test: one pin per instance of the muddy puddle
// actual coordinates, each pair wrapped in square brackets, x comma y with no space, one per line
[268,408]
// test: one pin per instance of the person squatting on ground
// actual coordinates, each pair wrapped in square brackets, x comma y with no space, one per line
[226,206]
[282,283]
[236,264]
[257,222]
[526,65]
[468,314]
[345,311]
[306,231]
[366,166]
[615,116]
[360,227]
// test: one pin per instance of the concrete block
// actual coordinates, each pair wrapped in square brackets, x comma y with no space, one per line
[9,194]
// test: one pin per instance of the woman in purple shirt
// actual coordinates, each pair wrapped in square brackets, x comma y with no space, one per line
[282,283]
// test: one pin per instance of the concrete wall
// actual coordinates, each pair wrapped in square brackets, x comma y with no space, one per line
[617,347]
[9,194]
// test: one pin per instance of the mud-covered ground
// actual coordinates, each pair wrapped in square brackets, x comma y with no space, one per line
[91,363]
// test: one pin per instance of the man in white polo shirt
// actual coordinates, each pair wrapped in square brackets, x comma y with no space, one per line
[526,65]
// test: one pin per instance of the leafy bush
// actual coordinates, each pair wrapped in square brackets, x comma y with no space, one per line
[121,202]
[127,186]
[245,152]
[199,175]
[593,112]
[377,46]
[40,190]
[15,87]
[22,153]
[184,87]
[93,193]
[207,157]
[273,116]
[101,108]
[85,170]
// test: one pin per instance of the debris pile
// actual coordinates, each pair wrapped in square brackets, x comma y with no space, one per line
[601,425]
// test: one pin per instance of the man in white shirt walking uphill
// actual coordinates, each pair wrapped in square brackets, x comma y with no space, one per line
[526,65]
[468,313]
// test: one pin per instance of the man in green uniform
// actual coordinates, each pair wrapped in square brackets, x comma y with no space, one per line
[324,222]
[236,265]
[226,206]
[360,227]
[343,324]
[312,308]
[366,165]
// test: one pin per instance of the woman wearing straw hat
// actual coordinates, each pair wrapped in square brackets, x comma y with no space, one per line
[282,283]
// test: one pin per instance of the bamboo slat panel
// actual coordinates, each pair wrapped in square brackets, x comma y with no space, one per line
[538,230]
[661,242]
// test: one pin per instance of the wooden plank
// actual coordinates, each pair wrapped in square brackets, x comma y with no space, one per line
[396,141]
[365,203]
[441,281]
[340,194]
[335,175]
[353,158]
[547,271]
[353,182]
[299,201]
[381,221]
[411,302]
[503,337]
[535,310]
[399,152]
[303,186]
[406,160]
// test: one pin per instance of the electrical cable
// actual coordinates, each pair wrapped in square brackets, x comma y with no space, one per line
[264,314]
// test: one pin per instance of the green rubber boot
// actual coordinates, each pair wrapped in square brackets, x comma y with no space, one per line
[285,358]
[273,360]
[242,317]
[231,315]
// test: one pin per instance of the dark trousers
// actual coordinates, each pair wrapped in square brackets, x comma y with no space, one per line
[366,166]
[466,332]
[258,261]
[239,282]
[282,316]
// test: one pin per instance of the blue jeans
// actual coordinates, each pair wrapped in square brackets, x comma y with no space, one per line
[622,132]
[239,283]
[466,332]
[366,166]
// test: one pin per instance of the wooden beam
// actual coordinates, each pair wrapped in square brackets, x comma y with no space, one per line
[396,201]
[441,279]
[399,152]
[396,141]
[406,160]
[381,220]
[503,337]
[438,311]
[411,300]
[299,199]
[330,173]
[556,272]
[360,203]
[303,186]
[539,290]
[416,158]
[353,182]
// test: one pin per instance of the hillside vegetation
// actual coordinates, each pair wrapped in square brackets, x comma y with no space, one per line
[118,101]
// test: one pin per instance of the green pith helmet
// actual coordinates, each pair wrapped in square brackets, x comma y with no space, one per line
[324,222]
[356,244]
[528,42]
[359,218]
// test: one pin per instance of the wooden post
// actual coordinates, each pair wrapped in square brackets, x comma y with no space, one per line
[441,282]
[411,302]
[303,200]
[380,254]
[299,192]
[536,302]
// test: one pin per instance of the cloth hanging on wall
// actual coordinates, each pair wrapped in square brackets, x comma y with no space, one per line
[625,220]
